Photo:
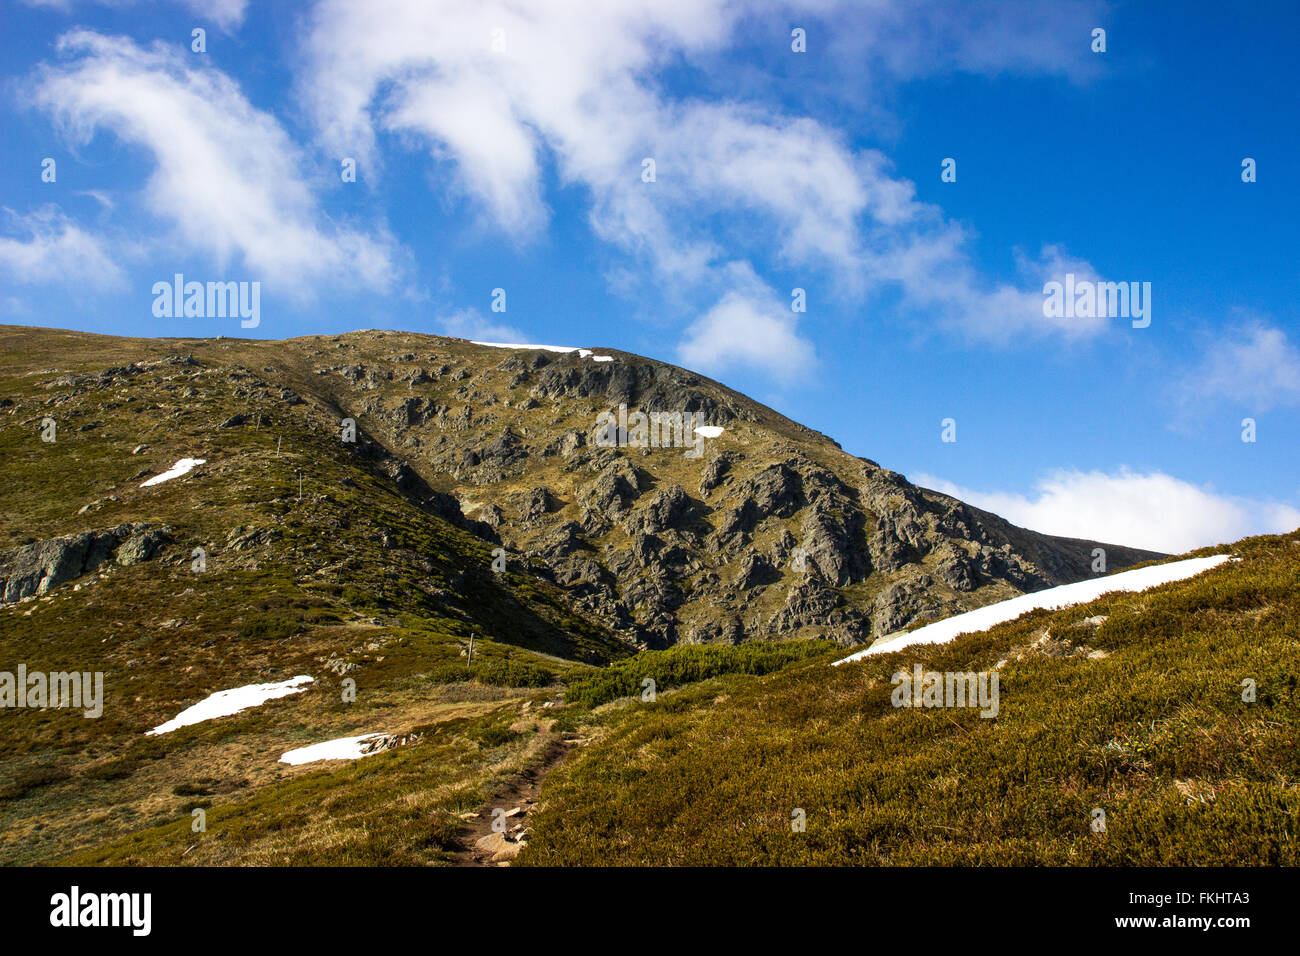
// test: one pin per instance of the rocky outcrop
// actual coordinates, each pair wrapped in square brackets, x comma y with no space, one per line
[32,570]
[904,603]
[141,545]
[756,570]
[667,510]
[715,471]
[833,542]
[649,386]
[812,603]
[776,491]
[614,489]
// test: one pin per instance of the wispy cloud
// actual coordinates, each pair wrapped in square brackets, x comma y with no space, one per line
[226,14]
[742,332]
[1253,364]
[228,179]
[919,38]
[749,327]
[472,324]
[497,92]
[53,249]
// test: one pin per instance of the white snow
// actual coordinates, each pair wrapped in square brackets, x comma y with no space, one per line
[226,702]
[182,467]
[582,353]
[1053,599]
[344,748]
[709,431]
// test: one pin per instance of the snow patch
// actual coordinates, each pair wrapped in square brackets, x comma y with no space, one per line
[1052,599]
[182,467]
[344,748]
[709,431]
[582,353]
[226,702]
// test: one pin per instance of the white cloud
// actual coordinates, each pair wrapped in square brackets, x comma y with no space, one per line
[1153,510]
[1253,364]
[228,178]
[749,327]
[471,324]
[57,251]
[578,84]
[104,199]
[928,37]
[225,13]
[936,276]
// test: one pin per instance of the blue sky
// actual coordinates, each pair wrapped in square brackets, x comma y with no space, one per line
[501,145]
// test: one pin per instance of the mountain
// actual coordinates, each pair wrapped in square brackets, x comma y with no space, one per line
[187,516]
[651,546]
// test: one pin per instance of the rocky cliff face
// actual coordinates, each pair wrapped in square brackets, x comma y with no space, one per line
[767,531]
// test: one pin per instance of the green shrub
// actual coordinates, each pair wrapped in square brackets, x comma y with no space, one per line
[271,626]
[448,673]
[496,736]
[113,769]
[199,789]
[1154,731]
[680,666]
[512,674]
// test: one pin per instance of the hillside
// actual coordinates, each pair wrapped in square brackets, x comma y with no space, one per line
[1169,716]
[287,550]
[653,546]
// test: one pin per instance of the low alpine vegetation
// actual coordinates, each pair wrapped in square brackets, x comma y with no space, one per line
[1149,729]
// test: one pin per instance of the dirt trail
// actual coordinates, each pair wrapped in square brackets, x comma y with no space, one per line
[519,791]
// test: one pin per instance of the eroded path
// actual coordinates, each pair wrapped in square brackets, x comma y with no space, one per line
[481,845]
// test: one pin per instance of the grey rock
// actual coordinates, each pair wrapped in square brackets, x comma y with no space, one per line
[835,545]
[776,491]
[755,571]
[668,509]
[904,603]
[140,546]
[714,471]
[613,490]
[34,569]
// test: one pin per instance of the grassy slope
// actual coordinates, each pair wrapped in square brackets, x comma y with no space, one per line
[350,572]
[1156,734]
[397,808]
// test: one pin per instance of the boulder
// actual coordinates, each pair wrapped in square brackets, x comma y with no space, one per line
[140,546]
[498,847]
